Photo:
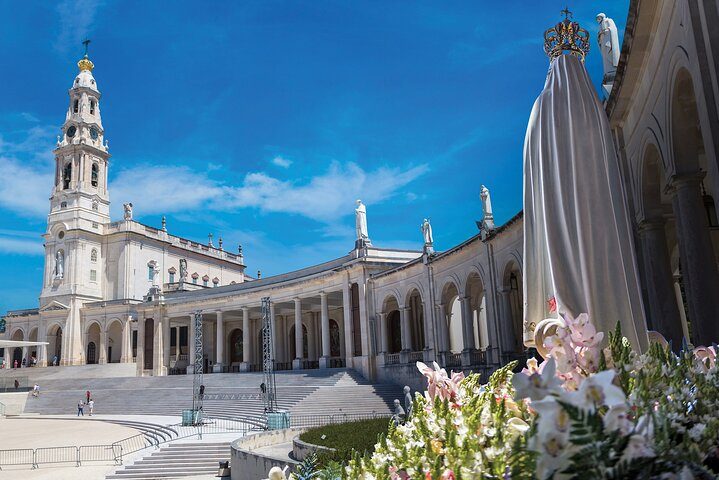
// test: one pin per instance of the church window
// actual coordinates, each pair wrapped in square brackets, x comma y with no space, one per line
[94,206]
[172,277]
[150,272]
[95,171]
[61,235]
[76,106]
[195,276]
[93,255]
[205,281]
[63,204]
[215,281]
[92,107]
[66,176]
[93,275]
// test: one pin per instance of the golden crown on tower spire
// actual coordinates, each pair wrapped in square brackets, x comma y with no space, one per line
[566,37]
[85,64]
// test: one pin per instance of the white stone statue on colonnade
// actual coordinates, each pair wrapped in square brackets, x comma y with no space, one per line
[361,224]
[128,210]
[427,236]
[608,39]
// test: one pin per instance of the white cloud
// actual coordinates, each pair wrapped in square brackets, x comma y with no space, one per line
[282,162]
[24,189]
[76,21]
[20,243]
[325,197]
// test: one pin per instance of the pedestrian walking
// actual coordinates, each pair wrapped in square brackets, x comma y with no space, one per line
[15,363]
[54,361]
[87,396]
[17,384]
[80,407]
[36,391]
[91,406]
[24,362]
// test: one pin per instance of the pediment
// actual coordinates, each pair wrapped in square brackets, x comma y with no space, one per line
[54,305]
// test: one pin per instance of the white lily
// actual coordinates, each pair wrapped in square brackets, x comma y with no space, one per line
[596,391]
[537,385]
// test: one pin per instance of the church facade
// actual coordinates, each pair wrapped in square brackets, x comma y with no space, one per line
[380,310]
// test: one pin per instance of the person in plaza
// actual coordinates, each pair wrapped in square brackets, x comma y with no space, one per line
[15,364]
[87,396]
[17,384]
[24,362]
[36,390]
[91,406]
[80,408]
[54,361]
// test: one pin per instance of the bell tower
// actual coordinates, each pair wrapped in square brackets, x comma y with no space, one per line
[79,212]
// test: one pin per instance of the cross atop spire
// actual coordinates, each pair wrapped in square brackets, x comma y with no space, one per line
[566,12]
[86,42]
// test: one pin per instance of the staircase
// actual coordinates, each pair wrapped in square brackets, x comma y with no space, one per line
[175,461]
[229,395]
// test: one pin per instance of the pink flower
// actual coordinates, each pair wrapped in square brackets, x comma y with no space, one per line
[439,384]
[583,333]
[447,475]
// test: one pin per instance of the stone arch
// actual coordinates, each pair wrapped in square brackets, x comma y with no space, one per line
[114,340]
[390,307]
[305,342]
[513,303]
[54,339]
[335,338]
[477,328]
[237,346]
[17,335]
[92,342]
[33,337]
[414,306]
[451,325]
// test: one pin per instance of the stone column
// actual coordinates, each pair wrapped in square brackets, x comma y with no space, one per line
[427,325]
[680,304]
[177,343]
[506,328]
[219,344]
[347,317]
[364,318]
[8,357]
[442,329]
[245,365]
[166,348]
[325,316]
[699,269]
[663,309]
[24,357]
[384,334]
[275,337]
[191,346]
[158,366]
[311,348]
[126,344]
[42,355]
[103,348]
[140,358]
[404,328]
[467,323]
[299,354]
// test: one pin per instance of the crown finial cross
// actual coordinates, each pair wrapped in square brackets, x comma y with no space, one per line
[86,42]
[567,13]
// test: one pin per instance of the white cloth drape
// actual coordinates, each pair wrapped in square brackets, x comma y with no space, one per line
[578,249]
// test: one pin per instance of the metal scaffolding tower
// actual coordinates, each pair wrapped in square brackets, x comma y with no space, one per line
[197,381]
[268,363]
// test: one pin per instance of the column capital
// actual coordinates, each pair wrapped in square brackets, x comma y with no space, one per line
[323,294]
[297,300]
[684,180]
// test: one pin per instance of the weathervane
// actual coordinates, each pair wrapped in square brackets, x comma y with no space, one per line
[86,42]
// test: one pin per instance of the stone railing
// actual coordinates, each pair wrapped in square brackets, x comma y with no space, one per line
[391,359]
[414,357]
[453,360]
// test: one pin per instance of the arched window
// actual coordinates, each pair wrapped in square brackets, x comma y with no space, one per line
[67,176]
[92,107]
[93,256]
[171,272]
[95,172]
[76,106]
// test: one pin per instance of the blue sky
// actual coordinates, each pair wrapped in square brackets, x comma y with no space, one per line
[262,122]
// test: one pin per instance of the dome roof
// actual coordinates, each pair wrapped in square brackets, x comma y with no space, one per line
[85,78]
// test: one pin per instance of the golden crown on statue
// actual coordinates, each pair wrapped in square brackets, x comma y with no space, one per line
[566,37]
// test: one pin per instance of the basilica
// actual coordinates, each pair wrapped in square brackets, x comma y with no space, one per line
[121,291]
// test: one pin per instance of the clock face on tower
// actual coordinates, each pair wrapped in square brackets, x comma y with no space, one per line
[93,133]
[71,131]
